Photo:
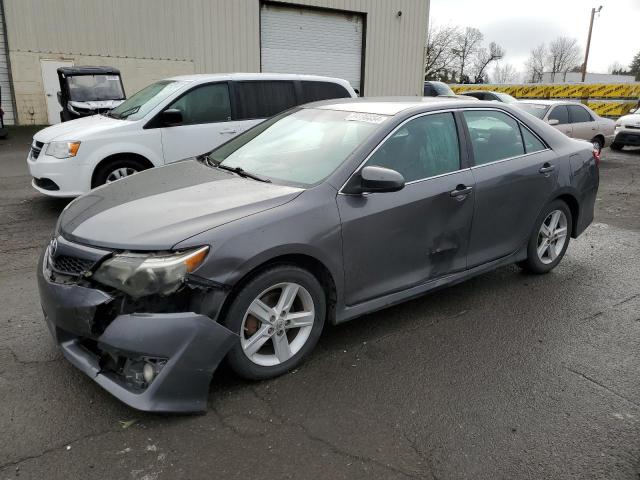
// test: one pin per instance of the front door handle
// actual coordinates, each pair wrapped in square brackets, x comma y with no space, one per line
[228,131]
[547,168]
[461,191]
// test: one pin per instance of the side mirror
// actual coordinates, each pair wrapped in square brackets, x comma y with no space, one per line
[172,117]
[553,121]
[380,179]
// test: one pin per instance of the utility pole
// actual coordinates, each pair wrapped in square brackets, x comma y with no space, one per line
[586,54]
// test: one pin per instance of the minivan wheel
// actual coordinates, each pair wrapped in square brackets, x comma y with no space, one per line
[549,239]
[116,170]
[278,317]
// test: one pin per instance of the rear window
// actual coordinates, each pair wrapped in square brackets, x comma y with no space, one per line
[535,109]
[262,99]
[315,91]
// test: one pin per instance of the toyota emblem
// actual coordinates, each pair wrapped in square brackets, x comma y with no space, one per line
[53,246]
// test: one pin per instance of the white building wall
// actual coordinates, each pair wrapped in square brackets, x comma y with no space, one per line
[152,39]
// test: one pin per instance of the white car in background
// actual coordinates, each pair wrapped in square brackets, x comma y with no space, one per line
[573,119]
[627,130]
[167,121]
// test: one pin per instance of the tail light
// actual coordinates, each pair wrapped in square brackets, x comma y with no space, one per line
[596,156]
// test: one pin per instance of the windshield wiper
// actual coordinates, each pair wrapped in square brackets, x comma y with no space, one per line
[237,170]
[129,111]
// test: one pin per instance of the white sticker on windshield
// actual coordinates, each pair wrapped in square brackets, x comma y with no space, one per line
[366,117]
[113,78]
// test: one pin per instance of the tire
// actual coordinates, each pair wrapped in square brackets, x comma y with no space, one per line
[258,353]
[616,146]
[597,144]
[105,173]
[551,256]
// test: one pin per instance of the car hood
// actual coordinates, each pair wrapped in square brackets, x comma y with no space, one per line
[78,129]
[631,119]
[157,208]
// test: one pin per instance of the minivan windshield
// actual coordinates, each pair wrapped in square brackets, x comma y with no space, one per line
[535,109]
[142,102]
[301,148]
[87,88]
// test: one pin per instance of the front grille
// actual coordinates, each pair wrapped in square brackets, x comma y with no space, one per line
[36,148]
[71,265]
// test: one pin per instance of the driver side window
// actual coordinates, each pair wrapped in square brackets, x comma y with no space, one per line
[205,104]
[424,147]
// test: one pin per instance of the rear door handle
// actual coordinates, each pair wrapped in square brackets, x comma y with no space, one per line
[461,191]
[229,131]
[547,168]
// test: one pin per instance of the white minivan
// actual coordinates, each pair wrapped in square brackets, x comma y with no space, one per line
[167,121]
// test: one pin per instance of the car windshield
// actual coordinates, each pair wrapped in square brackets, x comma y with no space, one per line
[300,148]
[505,97]
[535,109]
[87,88]
[442,88]
[142,102]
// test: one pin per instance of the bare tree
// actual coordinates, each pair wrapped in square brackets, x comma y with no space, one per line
[615,67]
[439,58]
[504,73]
[564,54]
[483,58]
[535,64]
[466,45]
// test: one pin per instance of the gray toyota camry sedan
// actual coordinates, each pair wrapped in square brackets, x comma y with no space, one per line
[319,215]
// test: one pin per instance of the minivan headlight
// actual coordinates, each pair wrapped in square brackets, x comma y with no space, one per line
[141,274]
[63,149]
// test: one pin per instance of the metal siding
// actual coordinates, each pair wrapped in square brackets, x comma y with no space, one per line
[314,42]
[202,36]
[6,101]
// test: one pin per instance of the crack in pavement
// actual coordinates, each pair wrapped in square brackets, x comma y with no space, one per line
[332,447]
[15,463]
[30,362]
[603,386]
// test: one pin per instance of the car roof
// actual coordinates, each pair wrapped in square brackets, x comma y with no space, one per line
[393,105]
[550,102]
[212,77]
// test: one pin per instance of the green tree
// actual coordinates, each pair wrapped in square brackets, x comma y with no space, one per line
[635,66]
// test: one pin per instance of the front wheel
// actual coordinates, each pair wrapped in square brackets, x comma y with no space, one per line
[116,170]
[597,144]
[549,239]
[278,317]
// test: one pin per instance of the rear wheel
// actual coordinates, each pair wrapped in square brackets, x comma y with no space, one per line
[116,170]
[616,146]
[278,317]
[598,143]
[549,239]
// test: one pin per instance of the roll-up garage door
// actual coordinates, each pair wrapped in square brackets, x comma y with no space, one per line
[313,42]
[6,102]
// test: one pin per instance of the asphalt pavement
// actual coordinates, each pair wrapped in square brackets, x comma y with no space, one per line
[507,375]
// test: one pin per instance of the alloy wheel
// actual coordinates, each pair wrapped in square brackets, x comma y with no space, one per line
[119,173]
[277,324]
[552,236]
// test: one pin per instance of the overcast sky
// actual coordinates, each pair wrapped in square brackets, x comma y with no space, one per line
[520,25]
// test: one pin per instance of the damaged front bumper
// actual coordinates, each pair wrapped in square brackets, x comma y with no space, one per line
[183,349]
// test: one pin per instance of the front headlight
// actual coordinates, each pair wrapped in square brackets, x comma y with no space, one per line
[63,149]
[141,274]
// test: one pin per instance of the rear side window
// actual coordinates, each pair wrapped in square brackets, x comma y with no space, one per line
[262,99]
[531,142]
[205,104]
[560,113]
[579,114]
[429,91]
[422,148]
[315,91]
[494,136]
